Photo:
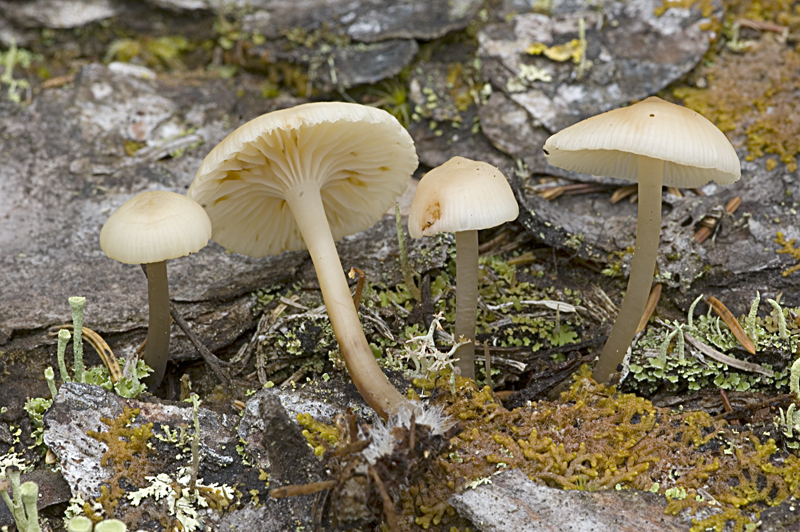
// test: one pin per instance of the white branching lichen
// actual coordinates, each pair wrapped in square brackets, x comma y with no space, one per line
[182,503]
[426,357]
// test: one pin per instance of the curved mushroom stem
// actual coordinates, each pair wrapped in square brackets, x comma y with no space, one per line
[309,213]
[466,299]
[648,229]
[157,350]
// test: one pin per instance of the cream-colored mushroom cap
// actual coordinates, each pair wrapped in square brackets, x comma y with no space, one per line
[461,195]
[693,149]
[360,157]
[155,226]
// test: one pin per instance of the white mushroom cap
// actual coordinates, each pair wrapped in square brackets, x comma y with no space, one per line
[360,157]
[461,195]
[695,150]
[155,226]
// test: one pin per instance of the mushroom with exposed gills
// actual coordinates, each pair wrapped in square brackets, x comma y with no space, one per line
[150,229]
[303,178]
[653,143]
[462,196]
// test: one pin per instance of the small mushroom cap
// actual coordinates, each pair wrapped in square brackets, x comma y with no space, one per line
[461,195]
[155,226]
[360,157]
[694,150]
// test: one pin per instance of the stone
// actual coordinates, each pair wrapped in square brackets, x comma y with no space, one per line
[510,502]
[631,53]
[61,14]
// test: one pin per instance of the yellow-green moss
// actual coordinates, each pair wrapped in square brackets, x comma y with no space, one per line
[155,52]
[788,249]
[593,438]
[751,95]
[127,455]
[319,435]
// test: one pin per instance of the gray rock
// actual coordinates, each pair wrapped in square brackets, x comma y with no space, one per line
[592,227]
[633,54]
[366,21]
[57,13]
[78,408]
[64,170]
[266,428]
[182,5]
[380,20]
[511,129]
[339,66]
[513,503]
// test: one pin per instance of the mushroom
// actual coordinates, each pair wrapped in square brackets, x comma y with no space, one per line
[302,178]
[149,229]
[653,143]
[462,196]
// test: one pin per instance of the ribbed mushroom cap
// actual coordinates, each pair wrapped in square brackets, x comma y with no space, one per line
[694,150]
[360,157]
[461,195]
[155,226]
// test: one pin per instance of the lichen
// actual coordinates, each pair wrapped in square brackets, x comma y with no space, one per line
[35,408]
[774,335]
[319,435]
[519,314]
[181,500]
[10,60]
[706,6]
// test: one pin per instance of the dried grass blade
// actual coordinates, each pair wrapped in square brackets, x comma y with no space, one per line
[622,192]
[733,324]
[725,359]
[652,302]
[301,489]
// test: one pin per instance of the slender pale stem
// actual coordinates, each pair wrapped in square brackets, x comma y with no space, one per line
[648,228]
[309,213]
[157,350]
[466,299]
[77,304]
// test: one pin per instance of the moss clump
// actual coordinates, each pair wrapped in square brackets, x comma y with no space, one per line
[788,249]
[322,35]
[751,95]
[706,6]
[594,438]
[318,434]
[127,455]
[162,53]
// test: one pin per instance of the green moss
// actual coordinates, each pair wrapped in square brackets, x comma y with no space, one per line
[594,437]
[155,52]
[319,36]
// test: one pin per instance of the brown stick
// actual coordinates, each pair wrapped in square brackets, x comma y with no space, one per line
[732,323]
[210,358]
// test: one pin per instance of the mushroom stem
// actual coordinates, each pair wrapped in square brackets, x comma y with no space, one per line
[157,350]
[309,213]
[648,229]
[466,299]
